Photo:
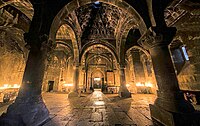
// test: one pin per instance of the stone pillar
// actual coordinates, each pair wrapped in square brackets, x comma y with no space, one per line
[74,92]
[123,91]
[149,73]
[114,76]
[76,78]
[58,86]
[91,83]
[29,108]
[87,81]
[138,67]
[84,81]
[170,106]
[144,64]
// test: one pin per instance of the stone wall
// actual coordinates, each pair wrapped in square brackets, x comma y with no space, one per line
[189,77]
[11,68]
[13,55]
[59,71]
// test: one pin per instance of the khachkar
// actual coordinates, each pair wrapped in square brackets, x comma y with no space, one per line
[29,108]
[170,108]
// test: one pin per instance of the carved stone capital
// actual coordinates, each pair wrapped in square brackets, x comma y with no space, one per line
[157,37]
[122,66]
[31,40]
[150,39]
[38,43]
[46,44]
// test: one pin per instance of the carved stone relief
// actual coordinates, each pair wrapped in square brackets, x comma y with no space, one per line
[98,22]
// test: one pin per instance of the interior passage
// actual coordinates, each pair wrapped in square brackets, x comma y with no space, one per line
[98,109]
[106,62]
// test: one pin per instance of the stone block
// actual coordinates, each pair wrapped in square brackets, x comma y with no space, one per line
[72,6]
[196,68]
[83,2]
[125,94]
[193,52]
[194,59]
[123,5]
[72,94]
[25,114]
[96,117]
[161,116]
[167,118]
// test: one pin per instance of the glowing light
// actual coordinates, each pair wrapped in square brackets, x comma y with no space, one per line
[139,84]
[98,95]
[185,53]
[99,103]
[148,84]
[97,79]
[128,85]
[5,85]
[68,85]
[97,2]
[16,86]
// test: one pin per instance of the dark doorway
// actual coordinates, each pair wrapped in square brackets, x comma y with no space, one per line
[103,86]
[50,84]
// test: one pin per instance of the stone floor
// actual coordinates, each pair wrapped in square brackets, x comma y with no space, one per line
[98,109]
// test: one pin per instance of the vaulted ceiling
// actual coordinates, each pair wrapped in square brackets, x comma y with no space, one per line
[103,22]
[99,20]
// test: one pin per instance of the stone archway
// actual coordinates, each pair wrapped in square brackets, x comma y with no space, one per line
[131,19]
[155,39]
[97,57]
[73,39]
[71,6]
[97,79]
[142,76]
[98,45]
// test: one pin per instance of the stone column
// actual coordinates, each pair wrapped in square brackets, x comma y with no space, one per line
[87,81]
[76,78]
[138,67]
[74,93]
[123,91]
[170,99]
[144,64]
[114,76]
[29,108]
[149,73]
[84,81]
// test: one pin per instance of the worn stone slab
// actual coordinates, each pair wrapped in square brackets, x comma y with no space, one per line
[139,119]
[124,118]
[96,117]
[82,111]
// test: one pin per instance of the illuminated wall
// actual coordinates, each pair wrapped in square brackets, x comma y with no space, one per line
[13,56]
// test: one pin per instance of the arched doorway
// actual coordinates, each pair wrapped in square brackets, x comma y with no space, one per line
[139,70]
[97,80]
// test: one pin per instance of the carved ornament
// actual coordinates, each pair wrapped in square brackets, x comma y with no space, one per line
[150,39]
